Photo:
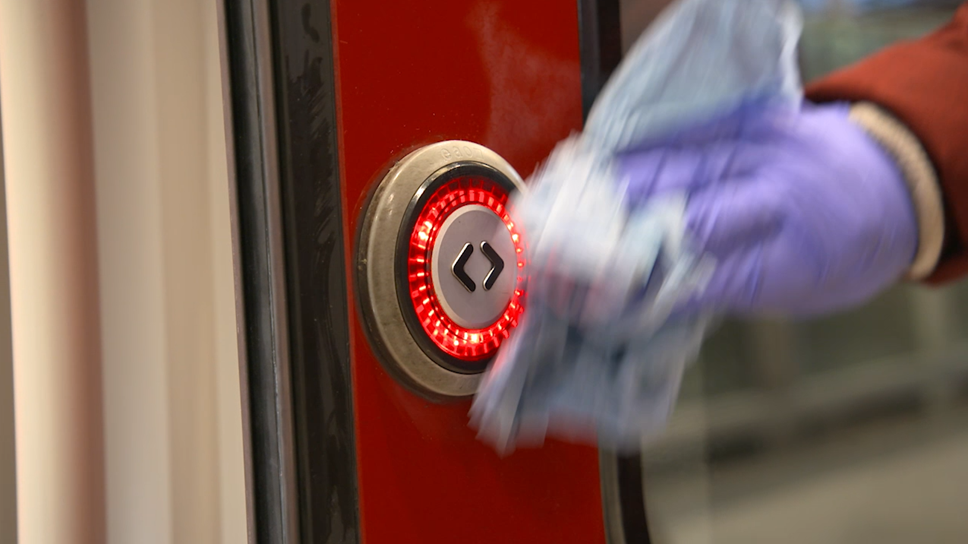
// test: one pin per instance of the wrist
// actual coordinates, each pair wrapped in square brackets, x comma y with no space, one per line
[919,177]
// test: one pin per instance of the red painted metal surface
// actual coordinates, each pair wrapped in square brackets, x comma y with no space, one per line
[503,73]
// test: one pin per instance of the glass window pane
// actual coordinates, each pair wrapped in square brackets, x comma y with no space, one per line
[850,429]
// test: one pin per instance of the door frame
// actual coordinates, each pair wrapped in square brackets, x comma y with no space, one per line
[294,348]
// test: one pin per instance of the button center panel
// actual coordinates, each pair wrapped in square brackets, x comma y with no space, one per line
[469,265]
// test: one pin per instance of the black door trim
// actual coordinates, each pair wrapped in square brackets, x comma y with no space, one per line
[292,268]
[600,42]
[271,479]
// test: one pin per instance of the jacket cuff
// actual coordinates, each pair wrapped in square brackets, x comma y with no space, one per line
[919,175]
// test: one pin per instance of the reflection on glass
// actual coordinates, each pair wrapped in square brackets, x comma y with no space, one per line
[851,429]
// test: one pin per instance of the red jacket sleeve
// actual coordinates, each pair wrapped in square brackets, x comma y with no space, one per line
[924,84]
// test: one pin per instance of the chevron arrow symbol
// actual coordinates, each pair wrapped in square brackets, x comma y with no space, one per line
[497,265]
[458,268]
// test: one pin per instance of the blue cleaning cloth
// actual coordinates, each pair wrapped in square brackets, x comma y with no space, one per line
[599,355]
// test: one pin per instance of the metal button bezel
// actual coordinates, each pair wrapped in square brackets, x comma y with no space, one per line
[390,321]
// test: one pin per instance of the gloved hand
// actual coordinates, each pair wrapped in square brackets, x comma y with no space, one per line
[803,211]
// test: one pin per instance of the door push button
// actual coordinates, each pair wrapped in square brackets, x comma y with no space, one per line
[440,266]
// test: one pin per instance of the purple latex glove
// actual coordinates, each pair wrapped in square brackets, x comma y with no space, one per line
[803,211]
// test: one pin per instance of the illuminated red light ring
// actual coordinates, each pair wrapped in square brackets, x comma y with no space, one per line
[462,343]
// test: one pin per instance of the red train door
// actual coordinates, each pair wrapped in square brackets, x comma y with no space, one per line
[351,121]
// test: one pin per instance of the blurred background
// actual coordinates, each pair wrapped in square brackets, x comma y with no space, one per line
[851,429]
[123,344]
